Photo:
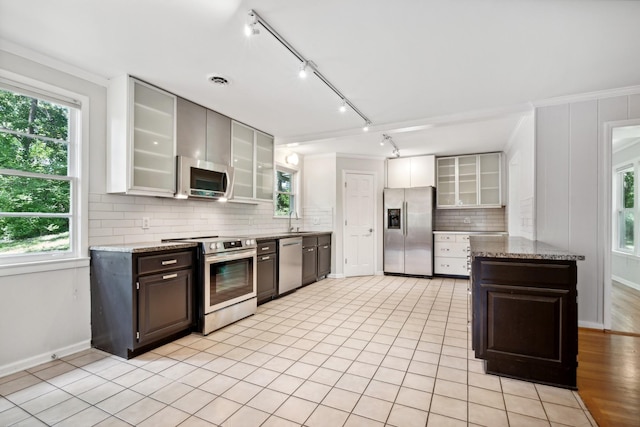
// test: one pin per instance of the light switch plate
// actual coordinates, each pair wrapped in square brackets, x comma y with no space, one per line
[145,222]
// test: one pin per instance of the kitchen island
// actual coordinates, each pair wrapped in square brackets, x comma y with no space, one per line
[524,309]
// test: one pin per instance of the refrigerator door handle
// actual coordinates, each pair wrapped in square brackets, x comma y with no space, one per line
[406,216]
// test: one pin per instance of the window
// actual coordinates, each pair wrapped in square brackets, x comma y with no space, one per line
[626,190]
[285,195]
[38,145]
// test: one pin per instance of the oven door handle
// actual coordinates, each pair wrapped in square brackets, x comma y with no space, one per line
[222,258]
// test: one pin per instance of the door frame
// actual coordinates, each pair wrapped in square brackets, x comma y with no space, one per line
[607,213]
[374,175]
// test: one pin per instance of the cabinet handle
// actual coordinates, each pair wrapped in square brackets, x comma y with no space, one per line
[169,262]
[264,258]
[310,250]
[325,247]
[266,248]
[169,276]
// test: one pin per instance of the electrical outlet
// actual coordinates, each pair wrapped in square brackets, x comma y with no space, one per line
[467,220]
[145,222]
[316,220]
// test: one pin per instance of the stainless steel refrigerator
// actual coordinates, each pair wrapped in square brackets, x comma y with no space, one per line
[408,230]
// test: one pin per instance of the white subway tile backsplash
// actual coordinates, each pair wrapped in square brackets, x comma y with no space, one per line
[478,219]
[117,219]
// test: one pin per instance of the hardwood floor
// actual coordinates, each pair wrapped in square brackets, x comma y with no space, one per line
[609,376]
[625,309]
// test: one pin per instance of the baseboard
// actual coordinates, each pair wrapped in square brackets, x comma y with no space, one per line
[336,276]
[590,325]
[23,364]
[626,282]
[379,273]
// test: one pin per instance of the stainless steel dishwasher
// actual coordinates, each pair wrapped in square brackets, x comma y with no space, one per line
[289,264]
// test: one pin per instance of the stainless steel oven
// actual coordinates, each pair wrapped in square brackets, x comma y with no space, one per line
[227,280]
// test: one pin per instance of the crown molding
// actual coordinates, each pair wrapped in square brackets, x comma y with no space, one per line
[48,61]
[587,96]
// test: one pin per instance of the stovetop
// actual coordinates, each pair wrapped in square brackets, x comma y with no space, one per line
[218,244]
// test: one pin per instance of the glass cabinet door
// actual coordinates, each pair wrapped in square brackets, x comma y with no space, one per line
[490,179]
[467,180]
[153,136]
[242,150]
[264,166]
[446,181]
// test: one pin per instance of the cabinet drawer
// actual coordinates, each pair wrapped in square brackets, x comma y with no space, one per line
[309,241]
[451,250]
[325,239]
[452,266]
[445,237]
[168,261]
[266,247]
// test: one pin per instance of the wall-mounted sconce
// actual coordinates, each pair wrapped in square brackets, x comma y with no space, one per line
[292,159]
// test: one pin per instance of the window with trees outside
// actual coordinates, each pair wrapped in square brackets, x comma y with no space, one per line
[626,192]
[38,142]
[285,195]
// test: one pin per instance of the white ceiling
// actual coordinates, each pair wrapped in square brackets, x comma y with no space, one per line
[439,76]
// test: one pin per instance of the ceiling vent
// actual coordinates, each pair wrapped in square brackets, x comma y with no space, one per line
[219,80]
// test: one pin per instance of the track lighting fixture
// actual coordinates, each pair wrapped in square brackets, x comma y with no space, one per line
[252,29]
[396,150]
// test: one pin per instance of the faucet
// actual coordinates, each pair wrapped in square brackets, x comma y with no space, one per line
[290,227]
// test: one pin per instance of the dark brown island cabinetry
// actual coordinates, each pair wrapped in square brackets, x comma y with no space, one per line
[525,316]
[324,255]
[267,280]
[140,300]
[309,259]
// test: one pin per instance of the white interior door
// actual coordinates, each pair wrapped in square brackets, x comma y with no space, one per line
[359,214]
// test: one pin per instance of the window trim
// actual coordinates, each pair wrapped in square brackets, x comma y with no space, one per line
[78,160]
[294,190]
[618,170]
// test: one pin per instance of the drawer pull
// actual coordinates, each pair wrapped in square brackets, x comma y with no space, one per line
[266,248]
[310,250]
[325,247]
[169,276]
[264,258]
[170,261]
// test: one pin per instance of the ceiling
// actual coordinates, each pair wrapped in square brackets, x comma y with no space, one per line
[438,76]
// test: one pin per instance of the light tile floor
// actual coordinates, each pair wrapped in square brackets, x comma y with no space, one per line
[367,351]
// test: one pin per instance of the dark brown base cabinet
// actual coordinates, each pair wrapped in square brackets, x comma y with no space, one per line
[324,256]
[309,260]
[267,280]
[140,300]
[525,318]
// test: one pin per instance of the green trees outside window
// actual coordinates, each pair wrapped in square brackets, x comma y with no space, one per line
[35,186]
[285,195]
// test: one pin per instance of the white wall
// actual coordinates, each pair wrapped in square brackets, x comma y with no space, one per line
[520,165]
[571,149]
[45,309]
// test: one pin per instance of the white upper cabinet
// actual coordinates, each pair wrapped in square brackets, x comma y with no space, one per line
[141,138]
[253,161]
[410,172]
[469,181]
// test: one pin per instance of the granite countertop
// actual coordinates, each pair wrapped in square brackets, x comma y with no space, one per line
[285,235]
[518,247]
[471,233]
[144,247]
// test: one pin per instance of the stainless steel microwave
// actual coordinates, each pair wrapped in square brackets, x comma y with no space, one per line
[202,179]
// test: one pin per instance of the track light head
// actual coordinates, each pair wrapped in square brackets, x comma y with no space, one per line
[303,70]
[343,106]
[251,27]
[365,128]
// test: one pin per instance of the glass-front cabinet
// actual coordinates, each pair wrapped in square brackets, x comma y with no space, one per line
[469,181]
[252,154]
[141,139]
